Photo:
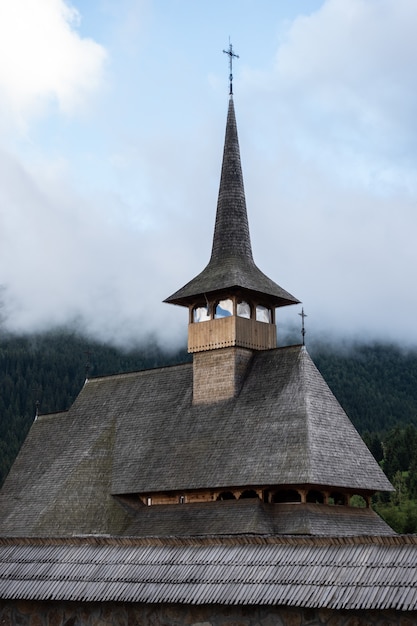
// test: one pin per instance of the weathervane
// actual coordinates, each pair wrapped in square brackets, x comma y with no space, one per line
[231,56]
[38,392]
[303,330]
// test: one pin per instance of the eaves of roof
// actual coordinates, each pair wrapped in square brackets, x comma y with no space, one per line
[360,573]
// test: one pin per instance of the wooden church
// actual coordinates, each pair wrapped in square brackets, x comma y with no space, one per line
[214,492]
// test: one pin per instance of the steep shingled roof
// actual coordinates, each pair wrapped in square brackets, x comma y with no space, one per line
[139,432]
[231,264]
[285,424]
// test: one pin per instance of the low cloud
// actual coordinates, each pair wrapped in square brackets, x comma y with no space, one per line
[348,71]
[65,259]
[328,143]
[339,201]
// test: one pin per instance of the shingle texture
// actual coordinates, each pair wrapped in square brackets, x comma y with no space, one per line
[248,517]
[351,573]
[231,264]
[140,432]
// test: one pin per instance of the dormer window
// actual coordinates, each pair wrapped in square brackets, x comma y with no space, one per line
[224,308]
[263,314]
[201,314]
[243,309]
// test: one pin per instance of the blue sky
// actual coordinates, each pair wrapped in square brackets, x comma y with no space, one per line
[112,118]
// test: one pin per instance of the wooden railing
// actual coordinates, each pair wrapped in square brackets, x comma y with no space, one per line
[231,331]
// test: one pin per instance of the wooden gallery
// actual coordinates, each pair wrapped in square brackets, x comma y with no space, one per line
[210,493]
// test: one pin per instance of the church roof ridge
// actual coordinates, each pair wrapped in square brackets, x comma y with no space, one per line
[131,373]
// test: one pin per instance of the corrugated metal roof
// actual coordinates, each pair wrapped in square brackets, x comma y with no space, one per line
[334,573]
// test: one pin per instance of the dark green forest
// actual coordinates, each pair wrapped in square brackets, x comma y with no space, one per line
[45,372]
[377,386]
[375,383]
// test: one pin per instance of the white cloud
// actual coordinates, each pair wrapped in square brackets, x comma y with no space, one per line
[338,146]
[65,259]
[122,215]
[349,72]
[43,59]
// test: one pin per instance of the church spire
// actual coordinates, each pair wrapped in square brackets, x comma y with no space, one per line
[231,241]
[232,298]
[231,266]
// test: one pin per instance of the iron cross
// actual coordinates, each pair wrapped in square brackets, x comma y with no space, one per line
[303,330]
[231,56]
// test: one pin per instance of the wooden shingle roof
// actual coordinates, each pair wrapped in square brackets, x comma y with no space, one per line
[350,573]
[140,433]
[231,265]
[285,425]
[251,516]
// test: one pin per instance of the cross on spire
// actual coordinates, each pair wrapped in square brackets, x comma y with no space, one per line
[231,56]
[38,392]
[303,330]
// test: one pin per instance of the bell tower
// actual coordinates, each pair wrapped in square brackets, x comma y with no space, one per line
[231,302]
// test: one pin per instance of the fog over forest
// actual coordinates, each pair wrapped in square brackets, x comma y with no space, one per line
[110,155]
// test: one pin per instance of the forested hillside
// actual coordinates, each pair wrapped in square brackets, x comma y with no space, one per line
[376,385]
[46,372]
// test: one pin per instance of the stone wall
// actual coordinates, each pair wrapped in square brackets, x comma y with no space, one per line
[24,613]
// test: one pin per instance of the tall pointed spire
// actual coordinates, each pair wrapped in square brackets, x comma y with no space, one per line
[231,266]
[231,233]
